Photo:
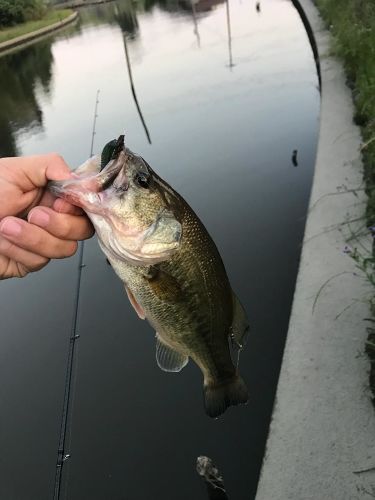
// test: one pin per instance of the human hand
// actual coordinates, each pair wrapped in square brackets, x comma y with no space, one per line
[35,226]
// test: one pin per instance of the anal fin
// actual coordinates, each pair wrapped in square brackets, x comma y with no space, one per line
[168,359]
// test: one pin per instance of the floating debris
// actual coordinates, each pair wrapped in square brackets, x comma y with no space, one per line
[294,158]
[212,478]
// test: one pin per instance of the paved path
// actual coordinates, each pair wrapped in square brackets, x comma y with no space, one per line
[323,429]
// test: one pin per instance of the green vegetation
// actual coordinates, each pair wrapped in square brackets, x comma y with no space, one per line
[51,17]
[352,24]
[370,350]
[18,11]
[21,76]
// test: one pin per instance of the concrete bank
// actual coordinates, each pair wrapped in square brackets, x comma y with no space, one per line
[75,4]
[34,35]
[321,444]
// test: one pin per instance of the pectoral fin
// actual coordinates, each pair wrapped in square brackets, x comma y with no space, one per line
[167,358]
[138,309]
[164,285]
[240,324]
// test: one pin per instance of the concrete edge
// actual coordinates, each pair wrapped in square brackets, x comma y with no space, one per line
[77,4]
[34,35]
[321,443]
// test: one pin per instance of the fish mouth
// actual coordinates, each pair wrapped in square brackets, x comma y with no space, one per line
[86,186]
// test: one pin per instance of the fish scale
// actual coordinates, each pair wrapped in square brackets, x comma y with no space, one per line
[170,266]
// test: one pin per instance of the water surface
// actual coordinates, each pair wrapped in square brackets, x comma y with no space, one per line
[226,105]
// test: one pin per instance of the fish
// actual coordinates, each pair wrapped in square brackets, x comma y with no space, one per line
[171,269]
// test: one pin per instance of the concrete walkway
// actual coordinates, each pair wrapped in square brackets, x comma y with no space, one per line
[30,37]
[321,444]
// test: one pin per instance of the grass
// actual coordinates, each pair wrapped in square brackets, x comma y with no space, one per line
[370,350]
[352,25]
[52,16]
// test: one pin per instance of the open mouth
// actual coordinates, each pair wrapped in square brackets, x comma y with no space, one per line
[86,189]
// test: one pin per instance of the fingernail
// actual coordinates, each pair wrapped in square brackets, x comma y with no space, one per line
[10,228]
[39,217]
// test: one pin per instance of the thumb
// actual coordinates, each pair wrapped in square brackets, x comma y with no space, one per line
[23,179]
[41,169]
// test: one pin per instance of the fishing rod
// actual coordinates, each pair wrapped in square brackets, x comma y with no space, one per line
[62,456]
[94,122]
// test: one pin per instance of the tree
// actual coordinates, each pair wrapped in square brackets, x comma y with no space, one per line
[33,9]
[10,12]
[18,11]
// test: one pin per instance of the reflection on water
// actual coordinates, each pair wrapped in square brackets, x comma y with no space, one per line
[238,144]
[128,65]
[21,74]
[126,17]
[196,30]
[230,63]
[24,72]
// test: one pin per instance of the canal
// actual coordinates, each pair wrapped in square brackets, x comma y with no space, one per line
[229,97]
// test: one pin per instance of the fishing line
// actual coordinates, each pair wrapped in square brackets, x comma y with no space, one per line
[62,456]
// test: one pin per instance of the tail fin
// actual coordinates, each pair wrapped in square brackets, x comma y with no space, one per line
[218,397]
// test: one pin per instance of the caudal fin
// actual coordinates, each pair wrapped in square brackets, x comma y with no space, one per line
[218,397]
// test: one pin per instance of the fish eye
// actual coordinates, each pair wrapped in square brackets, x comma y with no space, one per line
[143,179]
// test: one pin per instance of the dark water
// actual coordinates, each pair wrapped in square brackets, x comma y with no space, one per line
[224,115]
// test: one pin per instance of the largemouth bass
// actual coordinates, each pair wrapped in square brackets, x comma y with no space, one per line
[172,271]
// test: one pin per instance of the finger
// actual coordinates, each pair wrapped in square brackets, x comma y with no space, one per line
[62,225]
[63,206]
[30,261]
[35,239]
[47,199]
[59,205]
[37,170]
